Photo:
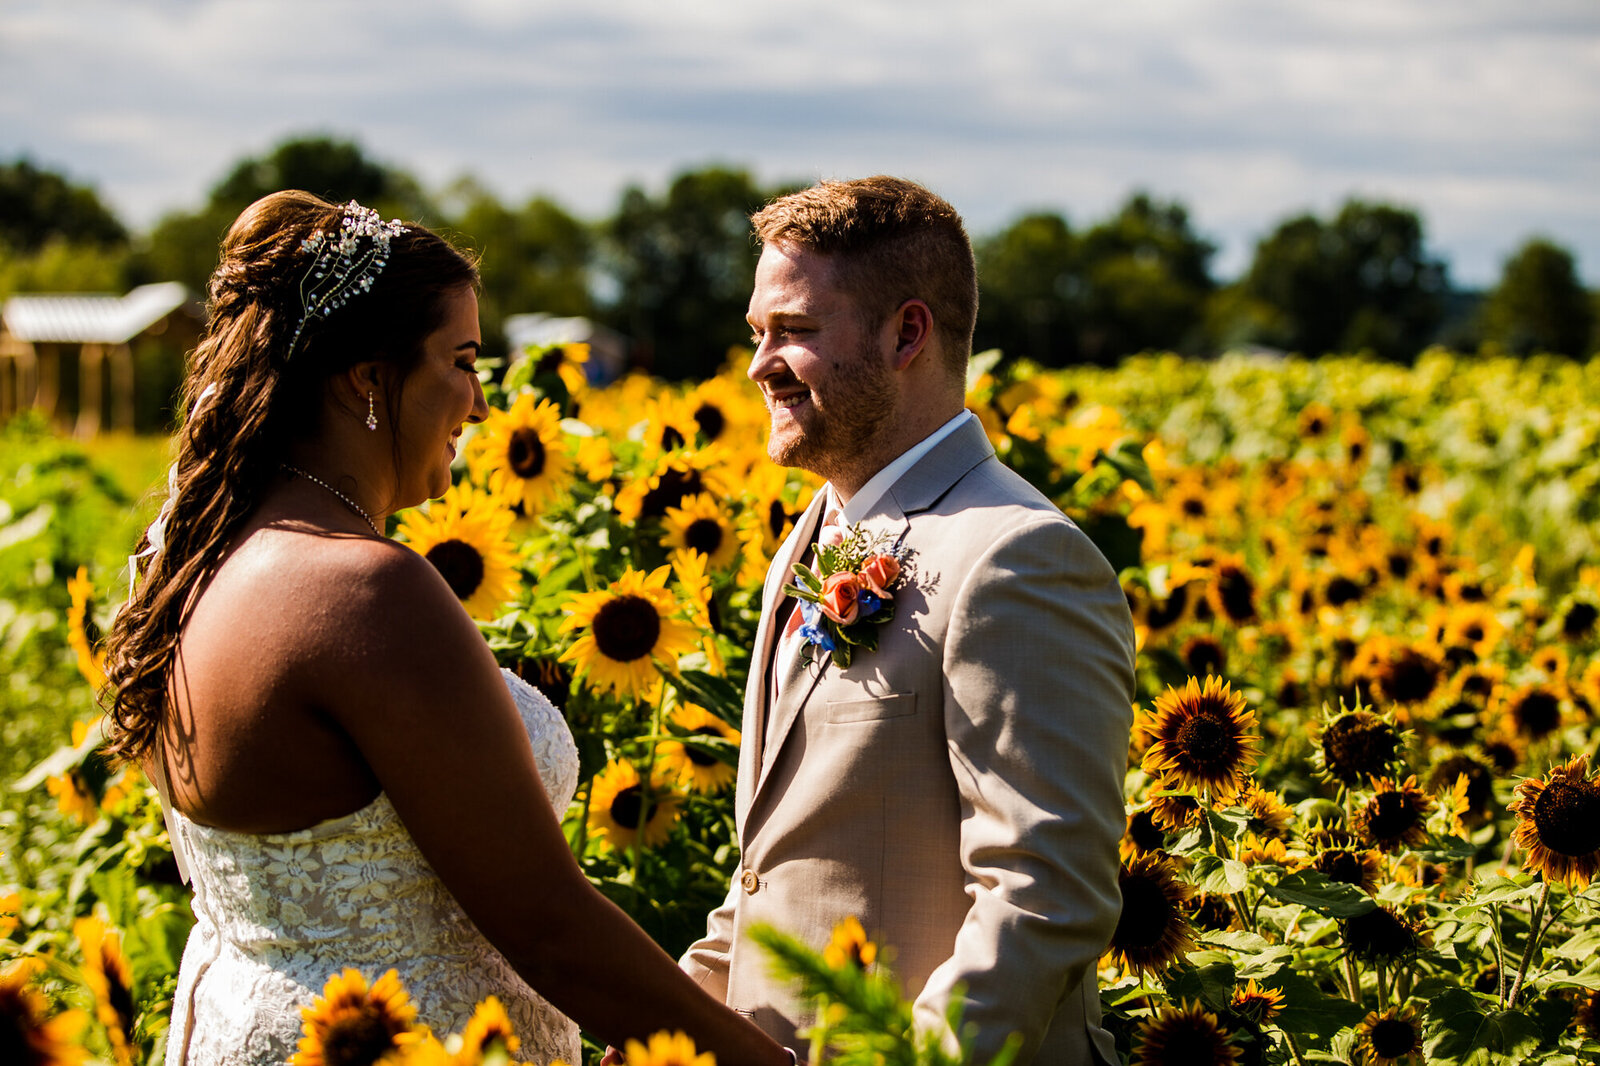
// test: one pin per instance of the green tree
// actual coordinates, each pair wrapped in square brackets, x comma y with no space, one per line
[1146,280]
[534,259]
[1540,304]
[682,266]
[1030,290]
[183,246]
[38,206]
[1363,281]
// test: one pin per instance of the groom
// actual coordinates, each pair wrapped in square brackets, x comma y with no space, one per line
[958,789]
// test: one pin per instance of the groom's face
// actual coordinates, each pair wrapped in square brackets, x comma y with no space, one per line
[821,366]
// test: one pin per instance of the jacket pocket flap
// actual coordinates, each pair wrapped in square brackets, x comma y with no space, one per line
[894,705]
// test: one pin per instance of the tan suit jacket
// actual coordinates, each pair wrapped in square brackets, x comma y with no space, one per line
[959,790]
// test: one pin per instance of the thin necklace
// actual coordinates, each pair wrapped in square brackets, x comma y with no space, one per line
[348,502]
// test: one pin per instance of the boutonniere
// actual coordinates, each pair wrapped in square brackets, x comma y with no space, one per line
[850,593]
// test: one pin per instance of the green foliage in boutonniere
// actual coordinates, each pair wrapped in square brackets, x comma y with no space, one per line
[850,594]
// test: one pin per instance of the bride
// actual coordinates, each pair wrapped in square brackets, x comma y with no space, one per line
[350,780]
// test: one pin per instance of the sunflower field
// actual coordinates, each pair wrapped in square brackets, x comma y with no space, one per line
[1363,816]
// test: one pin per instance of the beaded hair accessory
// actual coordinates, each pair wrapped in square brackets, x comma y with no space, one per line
[344,264]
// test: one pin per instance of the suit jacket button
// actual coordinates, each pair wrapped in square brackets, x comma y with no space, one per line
[750,882]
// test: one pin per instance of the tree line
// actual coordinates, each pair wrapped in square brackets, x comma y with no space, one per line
[671,270]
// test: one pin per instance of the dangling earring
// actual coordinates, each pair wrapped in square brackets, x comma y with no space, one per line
[372,416]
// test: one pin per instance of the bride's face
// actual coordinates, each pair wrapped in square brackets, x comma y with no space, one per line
[441,395]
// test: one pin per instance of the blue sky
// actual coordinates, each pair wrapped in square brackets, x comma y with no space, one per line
[1482,114]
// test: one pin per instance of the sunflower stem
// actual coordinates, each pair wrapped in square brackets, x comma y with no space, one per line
[1352,977]
[1383,985]
[1499,954]
[1294,1049]
[1535,934]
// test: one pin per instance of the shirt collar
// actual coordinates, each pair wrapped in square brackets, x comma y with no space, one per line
[862,503]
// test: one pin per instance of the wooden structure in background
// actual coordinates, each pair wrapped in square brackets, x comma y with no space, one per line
[42,334]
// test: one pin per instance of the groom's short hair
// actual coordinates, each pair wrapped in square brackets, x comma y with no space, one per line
[891,240]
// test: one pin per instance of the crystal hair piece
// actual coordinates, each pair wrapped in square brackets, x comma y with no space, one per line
[345,263]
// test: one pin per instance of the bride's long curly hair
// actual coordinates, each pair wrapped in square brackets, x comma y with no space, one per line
[261,398]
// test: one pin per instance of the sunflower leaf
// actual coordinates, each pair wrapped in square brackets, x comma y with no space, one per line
[1458,1029]
[1221,876]
[1584,945]
[1311,889]
[716,694]
[1307,1009]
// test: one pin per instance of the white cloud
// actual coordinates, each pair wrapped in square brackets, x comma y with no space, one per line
[1486,117]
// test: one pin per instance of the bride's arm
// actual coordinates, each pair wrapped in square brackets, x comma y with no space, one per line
[409,677]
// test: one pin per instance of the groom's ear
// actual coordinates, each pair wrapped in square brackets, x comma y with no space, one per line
[913,328]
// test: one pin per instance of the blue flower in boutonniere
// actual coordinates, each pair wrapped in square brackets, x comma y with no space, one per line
[850,594]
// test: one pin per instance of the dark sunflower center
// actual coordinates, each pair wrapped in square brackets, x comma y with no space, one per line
[460,564]
[526,454]
[1393,815]
[671,438]
[1204,657]
[1340,865]
[550,362]
[1379,934]
[1538,713]
[626,628]
[711,420]
[1411,678]
[91,632]
[1354,748]
[627,807]
[1567,815]
[1194,507]
[1213,912]
[1146,914]
[1579,620]
[695,755]
[1342,590]
[1144,832]
[1163,614]
[1393,1037]
[121,998]
[1238,595]
[14,1043]
[1207,740]
[357,1041]
[777,518]
[704,535]
[670,489]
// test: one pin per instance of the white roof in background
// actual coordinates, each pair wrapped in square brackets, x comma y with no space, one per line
[540,328]
[91,318]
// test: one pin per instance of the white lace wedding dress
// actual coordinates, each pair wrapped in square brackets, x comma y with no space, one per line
[277,914]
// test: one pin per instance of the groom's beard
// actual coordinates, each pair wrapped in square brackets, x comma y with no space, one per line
[850,411]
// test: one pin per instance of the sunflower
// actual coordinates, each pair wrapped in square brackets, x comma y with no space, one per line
[621,812]
[1355,746]
[1578,619]
[489,1026]
[1558,824]
[595,459]
[83,633]
[1381,935]
[1535,711]
[28,1036]
[1172,811]
[693,767]
[689,567]
[1473,626]
[73,796]
[10,914]
[1256,1003]
[567,361]
[1314,421]
[1395,670]
[1254,850]
[1479,792]
[1211,911]
[666,1049]
[1203,655]
[676,476]
[1269,815]
[701,525]
[1142,835]
[1233,591]
[519,454]
[1153,930]
[1201,738]
[1361,867]
[110,978]
[1183,1034]
[849,946]
[351,1023]
[466,535]
[1589,1014]
[1395,815]
[722,408]
[1391,1037]
[627,627]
